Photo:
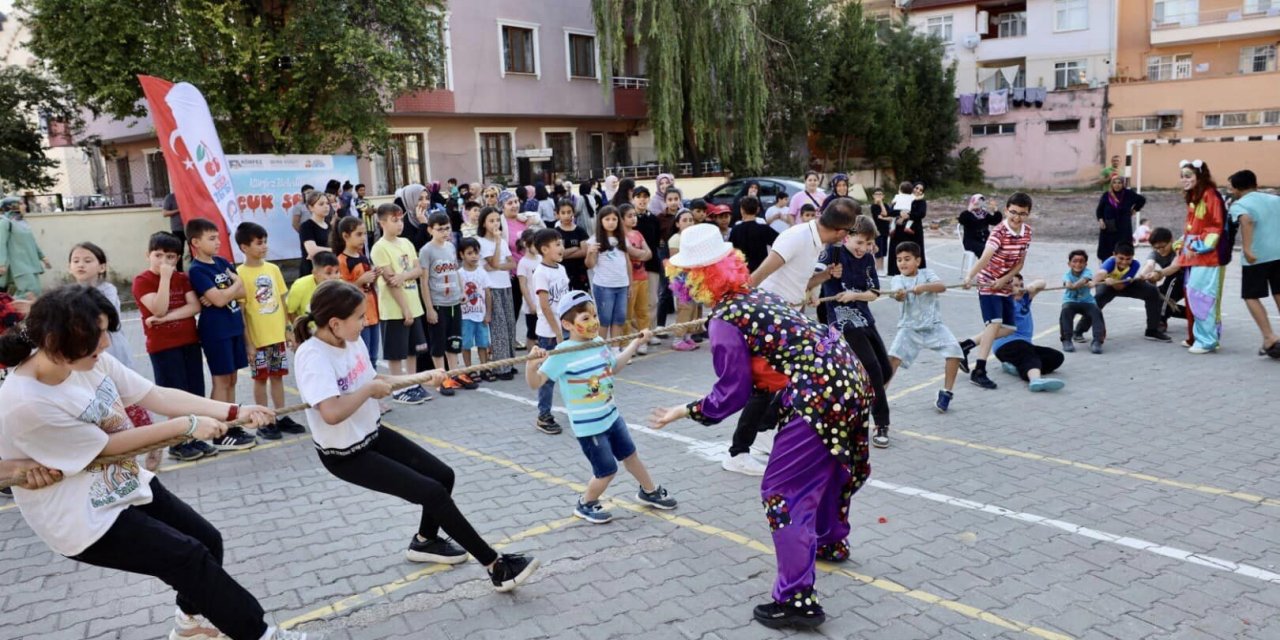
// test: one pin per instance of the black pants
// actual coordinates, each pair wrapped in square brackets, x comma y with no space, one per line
[867,345]
[394,465]
[167,539]
[1090,316]
[760,414]
[1026,356]
[1144,291]
[1173,287]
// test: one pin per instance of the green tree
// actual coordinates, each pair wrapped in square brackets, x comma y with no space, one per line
[853,113]
[797,34]
[26,97]
[301,76]
[923,95]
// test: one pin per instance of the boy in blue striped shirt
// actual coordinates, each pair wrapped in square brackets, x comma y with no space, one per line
[585,380]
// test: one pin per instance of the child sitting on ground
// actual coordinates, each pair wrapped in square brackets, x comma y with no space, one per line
[1018,356]
[1118,277]
[585,379]
[921,323]
[1077,299]
[1170,289]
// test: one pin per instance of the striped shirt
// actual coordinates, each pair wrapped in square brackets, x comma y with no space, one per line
[585,379]
[1010,249]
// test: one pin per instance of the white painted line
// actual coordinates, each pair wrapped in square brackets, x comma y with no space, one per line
[717,451]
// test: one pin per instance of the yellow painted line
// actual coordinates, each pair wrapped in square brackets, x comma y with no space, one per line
[374,593]
[954,606]
[658,387]
[12,505]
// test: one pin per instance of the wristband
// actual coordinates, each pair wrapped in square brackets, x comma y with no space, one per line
[233,412]
[192,423]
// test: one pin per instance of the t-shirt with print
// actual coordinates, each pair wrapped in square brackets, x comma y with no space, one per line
[919,310]
[1083,294]
[1023,324]
[528,264]
[396,257]
[576,268]
[166,335]
[441,264]
[585,380]
[324,371]
[352,268]
[555,282]
[65,427]
[636,240]
[264,310]
[1010,248]
[216,323]
[474,283]
[1264,210]
[1109,266]
[613,267]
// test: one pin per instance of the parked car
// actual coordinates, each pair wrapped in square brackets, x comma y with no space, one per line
[770,187]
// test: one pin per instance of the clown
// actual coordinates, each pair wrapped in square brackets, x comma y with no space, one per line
[819,456]
[1202,257]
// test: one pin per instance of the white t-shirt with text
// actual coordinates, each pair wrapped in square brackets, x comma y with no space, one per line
[324,371]
[555,281]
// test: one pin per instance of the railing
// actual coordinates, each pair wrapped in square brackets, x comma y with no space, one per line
[1247,11]
[626,82]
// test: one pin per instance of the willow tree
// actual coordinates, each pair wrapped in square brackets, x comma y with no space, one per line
[705,62]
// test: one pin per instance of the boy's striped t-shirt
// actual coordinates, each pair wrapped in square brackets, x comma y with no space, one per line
[585,380]
[1010,249]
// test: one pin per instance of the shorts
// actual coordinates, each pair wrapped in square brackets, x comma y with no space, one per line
[611,305]
[475,334]
[225,355]
[399,341]
[1260,280]
[605,450]
[908,343]
[271,361]
[997,309]
[446,333]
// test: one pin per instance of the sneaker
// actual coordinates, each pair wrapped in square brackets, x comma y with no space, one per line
[407,396]
[655,340]
[658,499]
[511,570]
[187,627]
[1157,335]
[1046,384]
[548,425]
[1186,343]
[186,452]
[276,633]
[776,615]
[1095,347]
[422,393]
[509,374]
[466,382]
[1197,349]
[592,512]
[979,378]
[7,492]
[642,350]
[743,463]
[439,551]
[208,449]
[235,439]
[289,425]
[944,400]
[449,387]
[1068,346]
[269,432]
[1008,368]
[700,336]
[881,438]
[521,345]
[488,376]
[684,345]
[1078,337]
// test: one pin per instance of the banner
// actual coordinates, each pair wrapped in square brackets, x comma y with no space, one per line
[268,187]
[197,167]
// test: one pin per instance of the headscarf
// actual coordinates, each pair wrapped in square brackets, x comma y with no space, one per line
[400,199]
[610,187]
[410,194]
[838,178]
[504,196]
[975,199]
[529,192]
[658,202]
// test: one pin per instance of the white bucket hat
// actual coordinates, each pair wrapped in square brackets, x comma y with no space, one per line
[701,245]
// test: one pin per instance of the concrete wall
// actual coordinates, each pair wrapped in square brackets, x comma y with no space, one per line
[122,234]
[1217,58]
[1032,157]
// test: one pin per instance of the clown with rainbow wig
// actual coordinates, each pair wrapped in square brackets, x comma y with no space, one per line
[819,457]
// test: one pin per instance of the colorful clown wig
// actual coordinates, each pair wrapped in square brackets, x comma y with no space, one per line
[710,284]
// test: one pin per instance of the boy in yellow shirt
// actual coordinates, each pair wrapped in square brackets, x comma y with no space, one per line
[399,302]
[324,267]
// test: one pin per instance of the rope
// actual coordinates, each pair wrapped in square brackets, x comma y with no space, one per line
[405,383]
[889,293]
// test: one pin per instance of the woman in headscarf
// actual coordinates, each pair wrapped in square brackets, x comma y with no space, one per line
[1115,215]
[589,204]
[975,225]
[529,196]
[910,207]
[417,206]
[658,202]
[610,188]
[21,260]
[437,199]
[819,457]
[489,197]
[839,189]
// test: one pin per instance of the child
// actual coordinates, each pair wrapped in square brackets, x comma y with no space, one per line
[1143,232]
[324,267]
[778,217]
[749,236]
[470,219]
[337,379]
[267,333]
[399,303]
[609,259]
[354,266]
[442,301]
[498,263]
[88,265]
[1001,260]
[524,275]
[1077,299]
[688,310]
[920,325]
[221,325]
[722,217]
[808,213]
[575,239]
[1118,277]
[475,302]
[550,285]
[1018,356]
[698,207]
[1171,290]
[638,294]
[586,386]
[850,313]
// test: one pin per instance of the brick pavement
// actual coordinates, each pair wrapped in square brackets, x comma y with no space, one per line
[1124,451]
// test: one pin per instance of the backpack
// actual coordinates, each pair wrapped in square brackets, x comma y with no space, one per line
[1227,241]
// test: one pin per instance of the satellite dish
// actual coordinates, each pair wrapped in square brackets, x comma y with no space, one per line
[971,40]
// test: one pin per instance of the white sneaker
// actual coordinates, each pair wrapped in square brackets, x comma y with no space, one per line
[743,463]
[274,633]
[655,340]
[187,627]
[763,445]
[643,349]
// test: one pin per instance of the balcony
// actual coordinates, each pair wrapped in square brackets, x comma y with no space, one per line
[1215,25]
[629,97]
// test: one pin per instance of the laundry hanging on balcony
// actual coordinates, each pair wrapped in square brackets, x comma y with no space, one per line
[998,102]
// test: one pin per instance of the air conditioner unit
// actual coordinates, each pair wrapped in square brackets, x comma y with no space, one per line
[984,22]
[971,40]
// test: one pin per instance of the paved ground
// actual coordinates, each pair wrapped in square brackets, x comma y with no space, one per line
[1118,508]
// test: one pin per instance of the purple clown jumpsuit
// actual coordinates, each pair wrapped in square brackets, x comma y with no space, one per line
[819,456]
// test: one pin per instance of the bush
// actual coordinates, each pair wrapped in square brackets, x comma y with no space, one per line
[967,167]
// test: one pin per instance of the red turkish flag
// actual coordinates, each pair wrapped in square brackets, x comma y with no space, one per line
[198,171]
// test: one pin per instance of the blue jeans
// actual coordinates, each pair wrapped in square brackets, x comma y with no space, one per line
[371,335]
[544,392]
[611,304]
[605,450]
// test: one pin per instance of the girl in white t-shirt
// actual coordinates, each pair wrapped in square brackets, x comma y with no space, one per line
[609,262]
[498,263]
[524,275]
[336,378]
[64,406]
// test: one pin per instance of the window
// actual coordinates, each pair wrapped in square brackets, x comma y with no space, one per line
[1012,24]
[1142,124]
[561,145]
[1068,74]
[1259,118]
[518,50]
[124,173]
[1259,59]
[582,55]
[998,81]
[405,160]
[1070,15]
[158,175]
[939,27]
[1177,12]
[1261,6]
[1062,126]
[994,129]
[496,154]
[1169,67]
[440,71]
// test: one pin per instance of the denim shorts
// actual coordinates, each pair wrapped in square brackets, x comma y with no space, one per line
[996,308]
[604,450]
[611,305]
[474,334]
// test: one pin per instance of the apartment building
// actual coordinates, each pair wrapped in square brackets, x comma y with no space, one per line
[1031,81]
[1196,79]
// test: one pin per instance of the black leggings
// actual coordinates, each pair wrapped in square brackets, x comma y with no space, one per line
[867,345]
[167,539]
[1026,356]
[394,465]
[757,415]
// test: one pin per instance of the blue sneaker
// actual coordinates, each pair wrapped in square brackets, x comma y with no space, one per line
[658,499]
[1046,384]
[1008,368]
[592,512]
[944,400]
[208,449]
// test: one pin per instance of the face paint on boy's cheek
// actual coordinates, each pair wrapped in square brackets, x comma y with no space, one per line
[588,327]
